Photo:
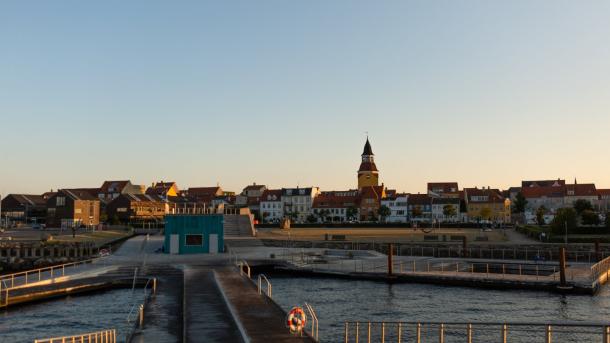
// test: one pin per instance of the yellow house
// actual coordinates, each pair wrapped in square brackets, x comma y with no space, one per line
[487,204]
[164,189]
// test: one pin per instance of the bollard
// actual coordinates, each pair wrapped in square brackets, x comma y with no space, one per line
[417,333]
[504,333]
[548,334]
[346,333]
[369,333]
[441,333]
[382,332]
[606,334]
[469,333]
[399,333]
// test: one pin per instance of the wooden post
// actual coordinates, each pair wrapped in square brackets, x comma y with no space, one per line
[390,251]
[562,266]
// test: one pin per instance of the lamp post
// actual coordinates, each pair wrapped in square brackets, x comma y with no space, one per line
[565,238]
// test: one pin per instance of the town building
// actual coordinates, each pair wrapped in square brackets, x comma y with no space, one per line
[603,200]
[70,208]
[445,209]
[164,189]
[420,207]
[205,194]
[443,189]
[25,208]
[399,207]
[271,208]
[580,191]
[487,204]
[549,197]
[112,189]
[298,202]
[370,202]
[336,206]
[137,209]
[250,197]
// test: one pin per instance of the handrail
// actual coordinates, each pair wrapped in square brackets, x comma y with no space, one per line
[314,322]
[260,281]
[241,266]
[39,271]
[106,336]
[393,331]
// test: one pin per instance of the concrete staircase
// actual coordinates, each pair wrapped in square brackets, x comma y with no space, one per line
[238,226]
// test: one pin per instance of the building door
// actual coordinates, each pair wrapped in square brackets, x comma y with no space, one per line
[174,244]
[213,244]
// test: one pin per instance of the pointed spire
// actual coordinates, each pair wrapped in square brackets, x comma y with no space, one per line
[368,151]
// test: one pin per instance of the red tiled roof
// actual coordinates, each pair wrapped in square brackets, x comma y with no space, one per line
[117,186]
[329,200]
[493,195]
[603,192]
[272,195]
[160,188]
[204,191]
[547,191]
[582,189]
[447,187]
[419,199]
[543,183]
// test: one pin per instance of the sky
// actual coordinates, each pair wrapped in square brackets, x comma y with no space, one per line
[282,93]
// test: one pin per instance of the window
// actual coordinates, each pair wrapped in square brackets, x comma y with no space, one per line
[194,240]
[60,201]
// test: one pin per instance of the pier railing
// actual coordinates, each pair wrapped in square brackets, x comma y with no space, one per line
[41,274]
[106,336]
[467,332]
[600,272]
[135,317]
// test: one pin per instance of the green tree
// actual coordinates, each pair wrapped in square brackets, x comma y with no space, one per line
[590,218]
[564,216]
[351,213]
[582,205]
[449,211]
[323,214]
[312,219]
[384,212]
[520,203]
[540,212]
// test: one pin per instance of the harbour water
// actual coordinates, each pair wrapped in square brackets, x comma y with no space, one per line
[68,316]
[337,301]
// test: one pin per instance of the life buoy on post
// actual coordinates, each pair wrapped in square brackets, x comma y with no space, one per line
[296,320]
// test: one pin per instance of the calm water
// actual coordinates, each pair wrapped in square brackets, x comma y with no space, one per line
[337,301]
[69,315]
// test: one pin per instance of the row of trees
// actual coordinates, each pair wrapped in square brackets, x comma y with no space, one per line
[383,212]
[581,213]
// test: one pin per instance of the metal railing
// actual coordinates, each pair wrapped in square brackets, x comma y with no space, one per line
[41,274]
[106,336]
[314,322]
[601,268]
[418,332]
[262,277]
[243,264]
[135,317]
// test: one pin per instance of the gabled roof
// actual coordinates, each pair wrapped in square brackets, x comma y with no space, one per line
[297,191]
[141,198]
[603,193]
[272,195]
[368,166]
[581,189]
[254,187]
[28,199]
[161,188]
[493,195]
[444,187]
[78,194]
[333,200]
[376,192]
[543,183]
[114,186]
[419,199]
[546,191]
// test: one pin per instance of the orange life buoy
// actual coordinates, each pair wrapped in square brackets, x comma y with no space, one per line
[296,320]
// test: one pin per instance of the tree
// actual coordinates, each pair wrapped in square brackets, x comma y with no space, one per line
[590,218]
[384,212]
[416,212]
[449,211]
[520,203]
[540,212]
[351,213]
[608,220]
[564,216]
[582,205]
[485,213]
[312,219]
[323,214]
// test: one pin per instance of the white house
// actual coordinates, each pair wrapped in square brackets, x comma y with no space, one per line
[298,202]
[271,209]
[399,208]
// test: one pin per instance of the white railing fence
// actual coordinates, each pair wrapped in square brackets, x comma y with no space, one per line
[106,336]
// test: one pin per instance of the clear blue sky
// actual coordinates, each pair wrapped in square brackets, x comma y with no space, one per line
[281,92]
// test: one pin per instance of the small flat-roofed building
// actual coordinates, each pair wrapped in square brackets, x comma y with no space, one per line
[194,234]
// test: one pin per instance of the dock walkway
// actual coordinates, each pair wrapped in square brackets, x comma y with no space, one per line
[262,320]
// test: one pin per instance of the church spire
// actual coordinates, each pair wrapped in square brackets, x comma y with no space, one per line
[368,151]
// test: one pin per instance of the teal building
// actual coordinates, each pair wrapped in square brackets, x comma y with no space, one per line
[194,234]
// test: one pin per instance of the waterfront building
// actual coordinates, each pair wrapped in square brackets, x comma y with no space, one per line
[487,204]
[420,207]
[271,209]
[194,234]
[73,208]
[204,194]
[603,200]
[439,206]
[370,201]
[297,202]
[250,197]
[399,207]
[164,189]
[137,209]
[543,183]
[443,189]
[25,208]
[551,197]
[112,189]
[368,174]
[336,206]
[580,191]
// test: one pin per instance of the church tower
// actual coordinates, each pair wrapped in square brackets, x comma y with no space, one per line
[368,175]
